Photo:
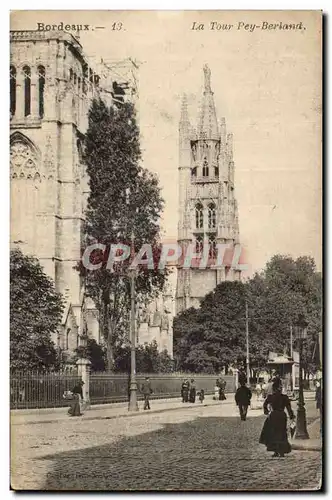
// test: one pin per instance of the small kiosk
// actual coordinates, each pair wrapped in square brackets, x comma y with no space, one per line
[286,367]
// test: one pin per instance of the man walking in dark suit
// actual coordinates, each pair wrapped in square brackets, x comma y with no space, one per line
[146,391]
[242,399]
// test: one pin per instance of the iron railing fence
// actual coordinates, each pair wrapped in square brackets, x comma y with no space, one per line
[40,389]
[46,389]
[114,387]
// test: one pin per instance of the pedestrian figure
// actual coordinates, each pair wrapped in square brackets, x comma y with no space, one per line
[264,390]
[277,380]
[221,383]
[146,391]
[274,432]
[242,377]
[192,391]
[242,399]
[319,403]
[318,396]
[185,391]
[75,409]
[258,390]
[201,395]
[269,388]
[216,393]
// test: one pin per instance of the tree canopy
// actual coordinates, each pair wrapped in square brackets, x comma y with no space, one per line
[148,359]
[124,200]
[285,289]
[213,336]
[35,314]
[95,353]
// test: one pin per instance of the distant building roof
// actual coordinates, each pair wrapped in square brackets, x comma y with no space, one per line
[281,359]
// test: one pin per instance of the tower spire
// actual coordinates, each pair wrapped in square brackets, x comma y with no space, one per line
[184,118]
[207,123]
[207,78]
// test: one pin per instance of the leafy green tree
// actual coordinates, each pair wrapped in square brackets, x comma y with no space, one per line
[165,362]
[148,359]
[95,353]
[35,314]
[213,336]
[286,288]
[112,155]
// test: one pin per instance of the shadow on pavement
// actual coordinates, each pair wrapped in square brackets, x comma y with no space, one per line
[208,453]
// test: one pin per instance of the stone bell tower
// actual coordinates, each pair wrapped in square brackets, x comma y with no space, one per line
[208,211]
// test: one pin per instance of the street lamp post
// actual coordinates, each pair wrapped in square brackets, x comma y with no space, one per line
[247,345]
[133,406]
[301,423]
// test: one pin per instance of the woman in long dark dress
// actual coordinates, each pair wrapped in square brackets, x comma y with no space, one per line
[75,409]
[192,391]
[185,391]
[222,388]
[274,432]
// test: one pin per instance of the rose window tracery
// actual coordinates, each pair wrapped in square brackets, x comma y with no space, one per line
[23,161]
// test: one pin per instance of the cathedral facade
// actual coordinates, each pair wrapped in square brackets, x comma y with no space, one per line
[52,84]
[51,87]
[155,320]
[208,210]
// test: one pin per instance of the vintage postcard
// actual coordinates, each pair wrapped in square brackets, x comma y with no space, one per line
[166,250]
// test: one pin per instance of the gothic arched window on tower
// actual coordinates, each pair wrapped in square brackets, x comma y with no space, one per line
[212,246]
[216,171]
[85,79]
[194,150]
[205,169]
[27,90]
[211,216]
[12,90]
[199,215]
[199,244]
[194,172]
[41,89]
[67,339]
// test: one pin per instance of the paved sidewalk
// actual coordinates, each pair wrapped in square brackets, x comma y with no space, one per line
[108,411]
[314,443]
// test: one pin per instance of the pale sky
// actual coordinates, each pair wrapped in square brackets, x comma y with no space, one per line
[267,85]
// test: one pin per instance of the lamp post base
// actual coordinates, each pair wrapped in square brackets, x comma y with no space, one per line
[133,405]
[301,425]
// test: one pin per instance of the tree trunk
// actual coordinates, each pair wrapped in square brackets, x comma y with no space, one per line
[107,335]
[110,347]
[110,357]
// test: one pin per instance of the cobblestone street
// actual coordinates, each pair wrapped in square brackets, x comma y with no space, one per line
[203,448]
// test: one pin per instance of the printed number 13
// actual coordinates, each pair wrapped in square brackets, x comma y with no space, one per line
[117,26]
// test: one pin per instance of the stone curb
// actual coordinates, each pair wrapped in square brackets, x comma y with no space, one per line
[120,415]
[307,444]
[304,446]
[107,406]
